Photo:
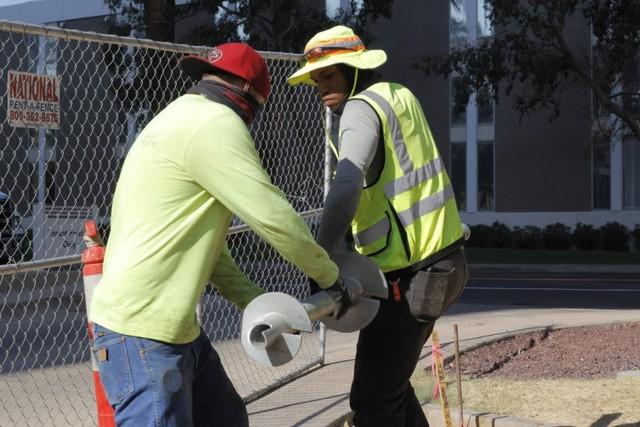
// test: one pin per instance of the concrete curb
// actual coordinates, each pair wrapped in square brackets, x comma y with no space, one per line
[556,268]
[470,418]
[478,419]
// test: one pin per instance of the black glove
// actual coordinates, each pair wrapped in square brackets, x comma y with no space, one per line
[339,291]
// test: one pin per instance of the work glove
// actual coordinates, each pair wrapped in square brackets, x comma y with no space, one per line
[339,291]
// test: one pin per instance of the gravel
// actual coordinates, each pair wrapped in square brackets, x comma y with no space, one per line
[578,353]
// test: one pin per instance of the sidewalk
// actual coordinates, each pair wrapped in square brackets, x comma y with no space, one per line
[322,396]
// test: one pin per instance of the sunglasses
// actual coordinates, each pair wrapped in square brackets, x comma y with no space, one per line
[320,52]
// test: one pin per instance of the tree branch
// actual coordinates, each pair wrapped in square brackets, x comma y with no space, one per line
[604,98]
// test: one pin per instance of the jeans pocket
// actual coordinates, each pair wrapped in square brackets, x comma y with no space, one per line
[110,351]
[427,294]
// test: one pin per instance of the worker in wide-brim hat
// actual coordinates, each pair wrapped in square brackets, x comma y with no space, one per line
[191,168]
[392,199]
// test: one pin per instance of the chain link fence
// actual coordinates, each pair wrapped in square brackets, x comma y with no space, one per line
[74,103]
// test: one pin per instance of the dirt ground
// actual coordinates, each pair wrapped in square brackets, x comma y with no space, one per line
[577,353]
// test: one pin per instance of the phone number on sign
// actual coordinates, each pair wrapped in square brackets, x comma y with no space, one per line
[33,116]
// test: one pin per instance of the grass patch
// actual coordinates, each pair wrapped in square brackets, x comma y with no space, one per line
[535,256]
[594,403]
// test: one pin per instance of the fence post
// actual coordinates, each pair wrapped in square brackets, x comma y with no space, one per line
[92,258]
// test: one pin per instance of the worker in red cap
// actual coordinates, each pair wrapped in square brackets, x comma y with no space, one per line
[190,169]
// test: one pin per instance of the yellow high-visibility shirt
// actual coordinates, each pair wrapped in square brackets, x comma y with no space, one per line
[189,170]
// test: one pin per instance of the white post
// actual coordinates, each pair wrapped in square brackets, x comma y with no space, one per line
[472,117]
[616,173]
[38,208]
[472,155]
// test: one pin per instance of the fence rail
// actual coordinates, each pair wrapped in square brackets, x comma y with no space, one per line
[105,88]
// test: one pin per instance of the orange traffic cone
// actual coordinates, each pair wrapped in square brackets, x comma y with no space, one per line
[92,259]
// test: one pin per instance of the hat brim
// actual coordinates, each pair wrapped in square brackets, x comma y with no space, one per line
[195,66]
[366,59]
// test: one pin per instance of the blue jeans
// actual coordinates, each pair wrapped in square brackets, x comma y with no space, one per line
[156,384]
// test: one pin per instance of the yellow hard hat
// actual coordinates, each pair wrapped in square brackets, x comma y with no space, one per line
[337,45]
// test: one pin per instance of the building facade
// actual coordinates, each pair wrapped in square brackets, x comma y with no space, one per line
[520,172]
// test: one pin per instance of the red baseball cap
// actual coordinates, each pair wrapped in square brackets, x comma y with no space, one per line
[238,59]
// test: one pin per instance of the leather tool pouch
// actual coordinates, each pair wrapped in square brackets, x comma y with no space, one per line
[427,293]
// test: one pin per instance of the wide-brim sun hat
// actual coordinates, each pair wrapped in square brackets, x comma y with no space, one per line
[238,59]
[337,45]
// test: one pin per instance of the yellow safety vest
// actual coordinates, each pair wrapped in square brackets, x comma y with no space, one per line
[409,214]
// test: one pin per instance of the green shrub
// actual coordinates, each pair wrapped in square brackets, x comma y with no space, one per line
[528,237]
[501,236]
[585,237]
[556,236]
[480,236]
[613,236]
[635,235]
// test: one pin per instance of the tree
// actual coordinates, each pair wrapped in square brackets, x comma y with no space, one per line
[530,58]
[270,25]
[153,17]
[274,25]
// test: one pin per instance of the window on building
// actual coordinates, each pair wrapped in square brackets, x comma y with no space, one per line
[485,176]
[486,108]
[631,173]
[601,174]
[457,119]
[484,24]
[458,23]
[458,173]
[485,112]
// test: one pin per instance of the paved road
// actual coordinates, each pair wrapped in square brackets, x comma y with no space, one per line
[555,290]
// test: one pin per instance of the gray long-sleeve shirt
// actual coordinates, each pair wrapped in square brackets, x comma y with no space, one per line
[361,157]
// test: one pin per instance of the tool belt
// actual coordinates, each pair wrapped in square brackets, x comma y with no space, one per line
[430,290]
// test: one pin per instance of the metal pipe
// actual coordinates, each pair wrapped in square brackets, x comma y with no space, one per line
[244,227]
[319,305]
[22,267]
[62,33]
[326,188]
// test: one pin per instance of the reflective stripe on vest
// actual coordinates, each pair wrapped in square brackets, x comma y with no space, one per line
[426,205]
[373,233]
[413,178]
[394,127]
[409,214]
[407,217]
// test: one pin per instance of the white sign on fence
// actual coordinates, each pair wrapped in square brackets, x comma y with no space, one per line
[58,230]
[33,100]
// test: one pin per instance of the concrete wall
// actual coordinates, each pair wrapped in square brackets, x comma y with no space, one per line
[418,27]
[543,170]
[542,165]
